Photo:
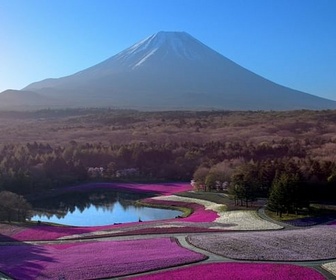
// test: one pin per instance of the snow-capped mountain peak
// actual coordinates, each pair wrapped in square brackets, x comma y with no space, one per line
[168,44]
[174,70]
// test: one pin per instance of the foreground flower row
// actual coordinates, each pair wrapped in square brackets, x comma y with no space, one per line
[238,271]
[93,260]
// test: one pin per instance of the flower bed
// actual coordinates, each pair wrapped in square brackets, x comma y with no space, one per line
[47,232]
[331,267]
[235,271]
[7,230]
[154,227]
[168,229]
[246,220]
[289,245]
[199,214]
[163,188]
[238,220]
[93,260]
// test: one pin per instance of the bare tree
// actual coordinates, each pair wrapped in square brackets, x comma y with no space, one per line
[13,207]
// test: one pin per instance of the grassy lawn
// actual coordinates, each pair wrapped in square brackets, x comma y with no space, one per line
[317,214]
[221,198]
[285,217]
[186,211]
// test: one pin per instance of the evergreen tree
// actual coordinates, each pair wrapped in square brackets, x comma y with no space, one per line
[285,194]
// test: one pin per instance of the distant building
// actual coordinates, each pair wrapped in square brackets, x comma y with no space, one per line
[95,171]
[128,172]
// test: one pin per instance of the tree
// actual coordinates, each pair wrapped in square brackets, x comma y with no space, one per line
[199,177]
[286,194]
[13,207]
[244,184]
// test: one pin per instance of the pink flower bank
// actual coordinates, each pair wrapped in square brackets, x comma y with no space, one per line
[46,232]
[237,271]
[93,260]
[162,189]
[199,214]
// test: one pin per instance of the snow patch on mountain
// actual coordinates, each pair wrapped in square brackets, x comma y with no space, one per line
[143,60]
[178,44]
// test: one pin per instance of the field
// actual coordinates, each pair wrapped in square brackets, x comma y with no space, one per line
[137,248]
[89,260]
[48,152]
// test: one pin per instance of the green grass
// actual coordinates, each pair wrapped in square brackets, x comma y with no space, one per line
[315,210]
[220,198]
[285,216]
[186,211]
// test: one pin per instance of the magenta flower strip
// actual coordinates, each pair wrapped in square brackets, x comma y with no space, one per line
[199,214]
[289,245]
[93,260]
[163,189]
[237,271]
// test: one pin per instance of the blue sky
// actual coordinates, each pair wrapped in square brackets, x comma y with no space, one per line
[291,42]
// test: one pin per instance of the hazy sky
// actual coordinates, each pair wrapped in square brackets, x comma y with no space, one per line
[291,42]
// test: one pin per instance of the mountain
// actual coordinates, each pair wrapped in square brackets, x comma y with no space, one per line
[21,99]
[173,70]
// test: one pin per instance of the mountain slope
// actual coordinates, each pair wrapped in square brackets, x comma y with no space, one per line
[21,99]
[173,70]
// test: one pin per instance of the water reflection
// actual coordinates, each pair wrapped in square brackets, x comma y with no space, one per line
[97,208]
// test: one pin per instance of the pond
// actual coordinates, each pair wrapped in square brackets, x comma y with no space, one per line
[97,208]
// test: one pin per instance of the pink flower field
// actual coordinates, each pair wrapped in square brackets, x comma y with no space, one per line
[238,271]
[199,213]
[46,232]
[93,260]
[78,253]
[163,189]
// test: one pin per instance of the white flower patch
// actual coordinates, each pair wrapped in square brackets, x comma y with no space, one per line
[331,267]
[306,244]
[245,220]
[238,220]
[169,226]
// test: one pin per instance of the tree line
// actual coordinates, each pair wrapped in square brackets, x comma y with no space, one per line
[290,184]
[250,170]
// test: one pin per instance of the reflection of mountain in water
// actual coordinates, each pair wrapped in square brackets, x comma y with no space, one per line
[69,202]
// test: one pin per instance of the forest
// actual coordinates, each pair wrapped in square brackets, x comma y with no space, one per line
[254,153]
